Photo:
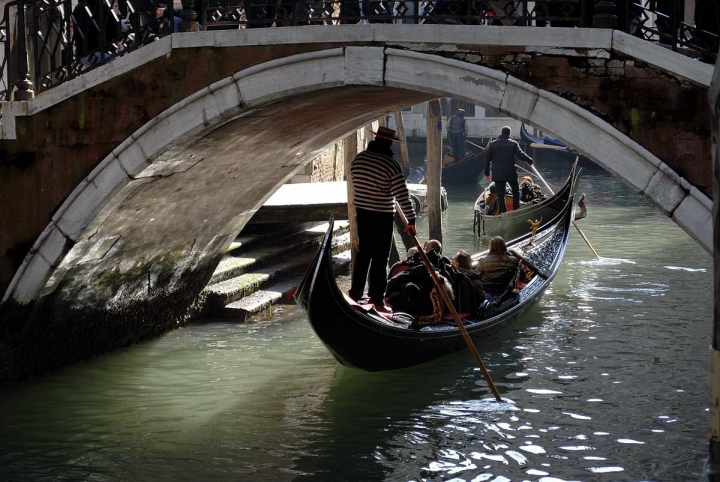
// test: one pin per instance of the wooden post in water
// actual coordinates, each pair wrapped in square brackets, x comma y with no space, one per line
[350,150]
[434,168]
[368,133]
[404,156]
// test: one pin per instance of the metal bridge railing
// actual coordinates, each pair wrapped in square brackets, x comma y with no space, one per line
[47,42]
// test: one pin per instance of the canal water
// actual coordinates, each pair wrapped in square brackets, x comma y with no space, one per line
[605,380]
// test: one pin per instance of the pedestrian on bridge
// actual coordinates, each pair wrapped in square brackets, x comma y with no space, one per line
[501,154]
[378,182]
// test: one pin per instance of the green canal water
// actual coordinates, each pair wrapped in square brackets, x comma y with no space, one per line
[605,380]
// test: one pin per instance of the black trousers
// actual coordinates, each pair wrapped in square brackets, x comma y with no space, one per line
[457,144]
[501,193]
[375,232]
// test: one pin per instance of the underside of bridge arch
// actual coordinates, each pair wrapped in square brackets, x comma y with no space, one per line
[128,253]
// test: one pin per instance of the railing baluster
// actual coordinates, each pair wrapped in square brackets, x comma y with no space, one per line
[35,62]
[24,84]
[675,23]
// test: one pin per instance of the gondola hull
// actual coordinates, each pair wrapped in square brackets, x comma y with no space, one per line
[466,171]
[363,338]
[513,224]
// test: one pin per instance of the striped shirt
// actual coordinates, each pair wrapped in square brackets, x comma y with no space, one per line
[378,181]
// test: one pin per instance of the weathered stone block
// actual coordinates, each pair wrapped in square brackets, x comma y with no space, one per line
[89,197]
[665,192]
[695,218]
[364,65]
[300,74]
[519,99]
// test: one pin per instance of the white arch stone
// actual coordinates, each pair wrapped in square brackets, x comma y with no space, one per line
[372,66]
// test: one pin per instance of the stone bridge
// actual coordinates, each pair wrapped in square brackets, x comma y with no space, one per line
[121,188]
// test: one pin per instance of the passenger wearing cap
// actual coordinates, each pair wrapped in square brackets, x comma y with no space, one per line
[378,182]
[457,133]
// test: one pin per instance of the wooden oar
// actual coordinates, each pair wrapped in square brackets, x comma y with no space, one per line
[576,226]
[548,146]
[524,170]
[450,307]
[476,145]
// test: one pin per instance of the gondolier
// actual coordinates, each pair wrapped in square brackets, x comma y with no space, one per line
[457,133]
[378,181]
[501,154]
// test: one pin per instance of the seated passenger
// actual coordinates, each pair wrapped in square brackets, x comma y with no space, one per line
[469,289]
[529,191]
[413,291]
[432,245]
[433,250]
[462,260]
[491,201]
[406,264]
[497,270]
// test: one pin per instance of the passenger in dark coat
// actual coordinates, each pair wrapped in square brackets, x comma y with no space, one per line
[497,270]
[463,263]
[501,155]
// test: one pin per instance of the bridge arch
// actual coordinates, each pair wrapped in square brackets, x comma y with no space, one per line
[165,136]
[125,229]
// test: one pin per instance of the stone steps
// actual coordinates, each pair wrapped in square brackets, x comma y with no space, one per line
[253,234]
[251,281]
[276,294]
[261,251]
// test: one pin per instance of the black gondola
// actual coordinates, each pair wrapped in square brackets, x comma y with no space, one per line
[566,155]
[512,224]
[465,171]
[361,337]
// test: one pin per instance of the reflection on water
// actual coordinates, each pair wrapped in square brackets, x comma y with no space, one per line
[604,380]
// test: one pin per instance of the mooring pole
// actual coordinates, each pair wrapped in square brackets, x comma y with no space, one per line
[350,150]
[712,466]
[433,127]
[404,156]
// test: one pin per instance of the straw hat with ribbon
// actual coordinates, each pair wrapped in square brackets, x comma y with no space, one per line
[385,133]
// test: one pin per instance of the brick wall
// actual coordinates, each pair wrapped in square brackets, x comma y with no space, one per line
[329,164]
